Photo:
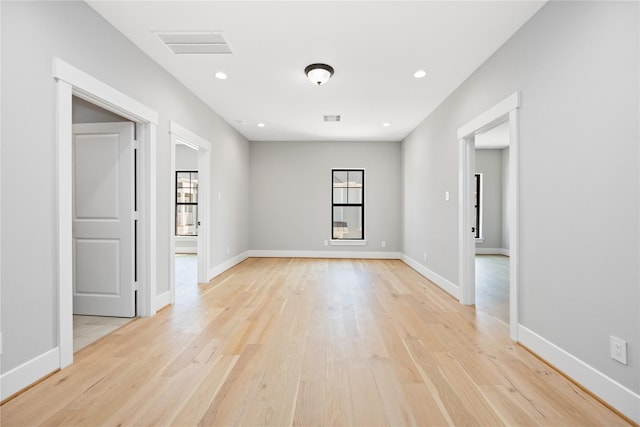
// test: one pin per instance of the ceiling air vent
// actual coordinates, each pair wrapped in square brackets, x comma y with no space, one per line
[332,118]
[195,43]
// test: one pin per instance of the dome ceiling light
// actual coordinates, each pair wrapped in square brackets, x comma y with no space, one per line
[319,73]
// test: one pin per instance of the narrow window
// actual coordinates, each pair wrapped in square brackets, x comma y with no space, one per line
[187,203]
[347,213]
[477,204]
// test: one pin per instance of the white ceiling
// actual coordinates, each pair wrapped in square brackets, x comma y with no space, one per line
[374,46]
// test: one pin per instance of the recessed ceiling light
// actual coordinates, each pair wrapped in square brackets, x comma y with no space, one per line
[419,74]
[261,125]
[386,124]
[221,76]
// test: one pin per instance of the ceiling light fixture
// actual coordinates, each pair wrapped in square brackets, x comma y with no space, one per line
[419,74]
[221,76]
[319,73]
[261,125]
[386,124]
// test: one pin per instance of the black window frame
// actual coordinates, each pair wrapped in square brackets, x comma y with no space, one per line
[361,204]
[178,204]
[478,205]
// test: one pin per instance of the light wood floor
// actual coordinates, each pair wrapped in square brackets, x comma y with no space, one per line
[310,342]
[492,285]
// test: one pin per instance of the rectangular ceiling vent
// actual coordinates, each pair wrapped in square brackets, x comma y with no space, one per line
[332,118]
[195,43]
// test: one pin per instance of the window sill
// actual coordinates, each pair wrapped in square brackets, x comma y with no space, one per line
[347,242]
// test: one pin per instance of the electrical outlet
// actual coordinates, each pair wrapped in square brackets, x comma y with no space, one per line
[228,250]
[618,349]
[383,244]
[425,256]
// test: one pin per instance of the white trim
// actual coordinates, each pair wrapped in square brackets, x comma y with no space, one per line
[101,94]
[334,242]
[71,81]
[221,268]
[325,254]
[492,251]
[64,233]
[615,394]
[491,117]
[195,141]
[28,373]
[163,300]
[506,110]
[444,284]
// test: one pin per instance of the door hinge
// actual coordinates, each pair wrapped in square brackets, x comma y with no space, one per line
[136,286]
[136,215]
[135,144]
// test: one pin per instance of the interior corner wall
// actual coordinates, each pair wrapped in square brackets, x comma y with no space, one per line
[32,35]
[576,66]
[291,194]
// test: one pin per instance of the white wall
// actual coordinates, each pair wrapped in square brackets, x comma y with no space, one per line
[489,164]
[576,66]
[186,158]
[291,194]
[85,112]
[33,33]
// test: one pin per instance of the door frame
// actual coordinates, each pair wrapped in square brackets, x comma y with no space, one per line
[71,81]
[506,110]
[181,135]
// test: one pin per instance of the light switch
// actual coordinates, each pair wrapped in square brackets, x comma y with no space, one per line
[446,196]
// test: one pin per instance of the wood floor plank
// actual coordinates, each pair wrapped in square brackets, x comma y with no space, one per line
[309,342]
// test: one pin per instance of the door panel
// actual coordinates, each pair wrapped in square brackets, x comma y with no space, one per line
[103,227]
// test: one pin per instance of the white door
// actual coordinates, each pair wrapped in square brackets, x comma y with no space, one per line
[103,219]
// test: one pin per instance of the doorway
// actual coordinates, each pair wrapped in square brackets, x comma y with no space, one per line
[505,111]
[103,203]
[71,81]
[492,172]
[190,211]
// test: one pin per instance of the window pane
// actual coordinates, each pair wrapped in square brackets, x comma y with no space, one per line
[339,195]
[355,195]
[183,179]
[347,222]
[355,178]
[339,178]
[186,220]
[194,179]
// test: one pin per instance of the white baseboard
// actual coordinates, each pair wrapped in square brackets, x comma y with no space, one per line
[326,254]
[163,300]
[492,251]
[221,268]
[615,394]
[29,372]
[446,285]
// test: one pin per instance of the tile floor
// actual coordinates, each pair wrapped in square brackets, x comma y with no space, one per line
[88,329]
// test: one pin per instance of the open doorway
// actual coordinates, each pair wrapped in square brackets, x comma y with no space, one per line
[190,212]
[187,221]
[492,167]
[72,81]
[505,112]
[104,164]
